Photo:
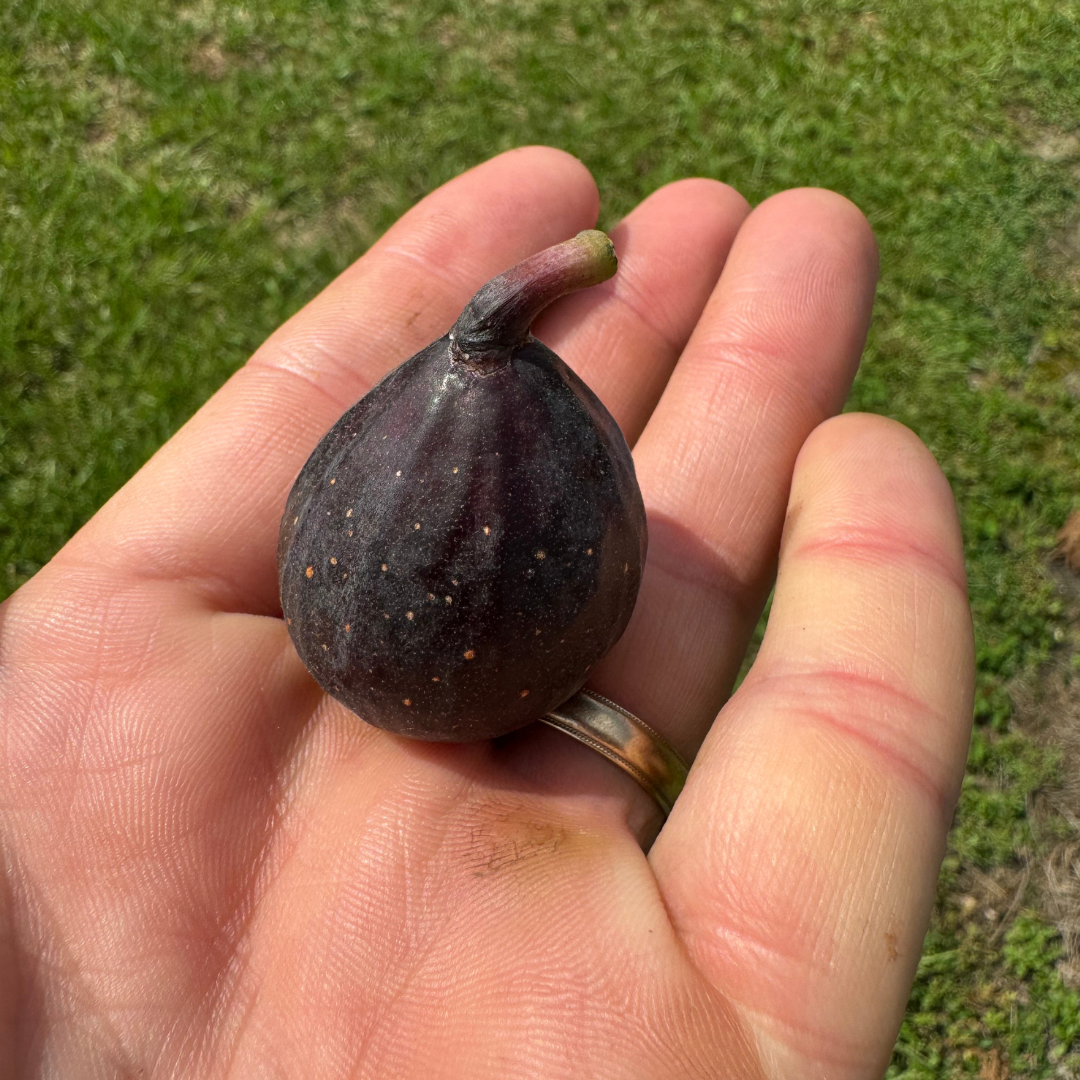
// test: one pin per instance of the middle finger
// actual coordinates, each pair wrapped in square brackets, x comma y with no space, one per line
[773,356]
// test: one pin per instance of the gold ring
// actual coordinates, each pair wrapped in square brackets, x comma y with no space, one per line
[625,740]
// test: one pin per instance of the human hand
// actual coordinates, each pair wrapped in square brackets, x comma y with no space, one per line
[211,869]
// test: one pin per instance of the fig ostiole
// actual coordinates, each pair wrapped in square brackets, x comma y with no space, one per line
[467,541]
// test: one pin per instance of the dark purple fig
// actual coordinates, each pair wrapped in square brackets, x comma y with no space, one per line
[467,540]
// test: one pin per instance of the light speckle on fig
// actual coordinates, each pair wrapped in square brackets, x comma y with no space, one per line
[289,621]
[406,701]
[524,693]
[416,524]
[410,616]
[455,468]
[296,519]
[469,654]
[334,480]
[348,627]
[431,596]
[350,532]
[333,561]
[449,599]
[541,555]
[588,551]
[348,513]
[398,473]
[309,572]
[454,581]
[324,648]
[385,568]
[435,678]
[345,575]
[386,614]
[487,530]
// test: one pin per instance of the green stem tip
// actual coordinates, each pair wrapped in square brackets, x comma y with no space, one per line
[497,319]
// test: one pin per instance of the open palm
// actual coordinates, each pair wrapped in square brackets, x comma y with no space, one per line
[213,870]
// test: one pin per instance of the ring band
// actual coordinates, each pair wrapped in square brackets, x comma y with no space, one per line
[625,740]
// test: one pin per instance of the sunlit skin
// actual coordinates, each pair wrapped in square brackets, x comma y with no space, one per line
[212,870]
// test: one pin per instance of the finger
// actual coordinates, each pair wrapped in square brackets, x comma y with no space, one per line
[624,340]
[800,862]
[624,337]
[773,355]
[206,508]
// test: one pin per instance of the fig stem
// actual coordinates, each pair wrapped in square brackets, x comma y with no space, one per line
[497,319]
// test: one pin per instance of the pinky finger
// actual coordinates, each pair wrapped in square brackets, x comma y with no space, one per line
[800,863]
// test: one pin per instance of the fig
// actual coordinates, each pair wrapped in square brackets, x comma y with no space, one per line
[467,540]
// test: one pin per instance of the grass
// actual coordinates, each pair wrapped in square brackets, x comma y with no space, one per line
[175,181]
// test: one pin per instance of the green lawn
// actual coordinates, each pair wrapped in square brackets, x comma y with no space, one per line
[177,180]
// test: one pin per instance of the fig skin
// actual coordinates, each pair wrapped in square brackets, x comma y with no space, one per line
[467,540]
